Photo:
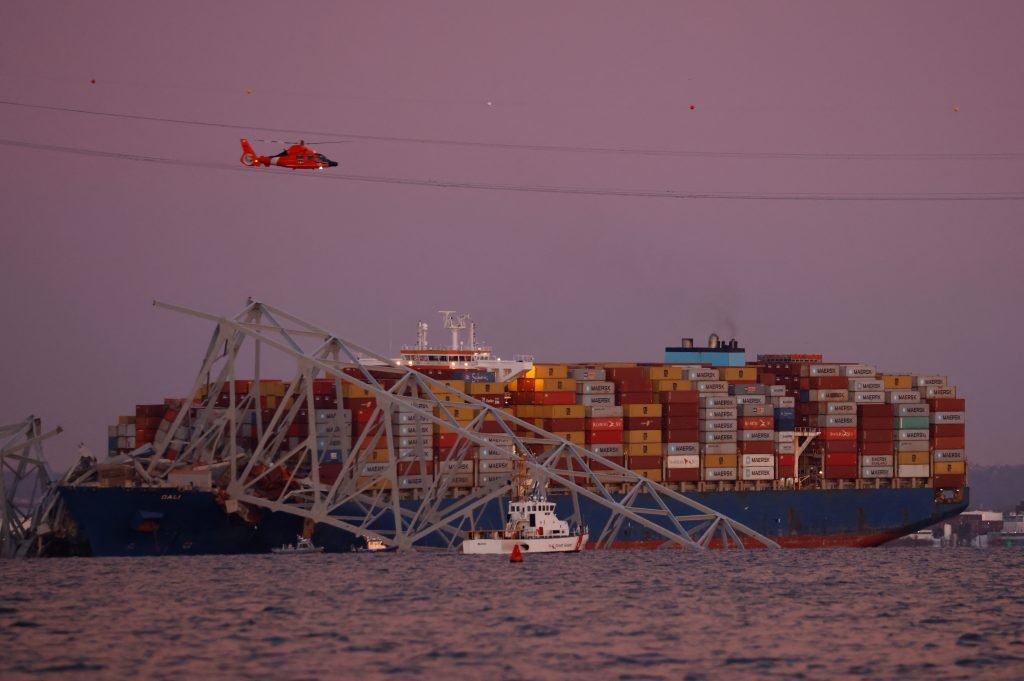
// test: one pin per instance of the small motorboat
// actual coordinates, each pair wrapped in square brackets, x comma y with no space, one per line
[374,545]
[302,545]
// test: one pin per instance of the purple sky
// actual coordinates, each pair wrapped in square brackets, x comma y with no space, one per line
[89,241]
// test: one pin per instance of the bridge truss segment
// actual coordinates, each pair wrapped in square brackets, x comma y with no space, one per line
[30,507]
[385,482]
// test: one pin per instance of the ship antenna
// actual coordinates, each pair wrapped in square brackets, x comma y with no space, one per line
[421,335]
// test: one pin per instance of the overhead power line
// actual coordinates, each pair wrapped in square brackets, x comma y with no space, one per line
[806,156]
[540,189]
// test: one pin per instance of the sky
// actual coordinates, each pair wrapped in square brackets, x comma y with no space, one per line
[591,181]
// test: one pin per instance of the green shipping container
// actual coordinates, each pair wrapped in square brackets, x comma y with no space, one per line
[911,422]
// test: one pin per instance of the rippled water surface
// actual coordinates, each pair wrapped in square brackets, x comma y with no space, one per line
[824,614]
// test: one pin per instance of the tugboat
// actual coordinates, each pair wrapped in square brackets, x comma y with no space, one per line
[303,545]
[533,526]
[374,545]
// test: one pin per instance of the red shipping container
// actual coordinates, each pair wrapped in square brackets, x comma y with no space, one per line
[490,426]
[948,430]
[948,443]
[597,466]
[948,404]
[613,373]
[522,397]
[565,425]
[688,409]
[554,398]
[760,447]
[415,467]
[875,423]
[682,474]
[755,423]
[605,423]
[603,437]
[643,423]
[642,463]
[445,439]
[839,446]
[635,398]
[841,472]
[634,385]
[784,464]
[687,435]
[681,397]
[680,423]
[329,473]
[839,434]
[875,411]
[843,459]
[874,435]
[828,383]
[877,448]
[949,481]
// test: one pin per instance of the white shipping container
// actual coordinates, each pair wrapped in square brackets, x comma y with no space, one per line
[718,413]
[416,453]
[715,401]
[868,397]
[718,436]
[587,374]
[457,467]
[831,395]
[874,460]
[785,436]
[837,407]
[858,371]
[949,417]
[719,474]
[415,481]
[930,381]
[333,443]
[719,449]
[750,400]
[410,406]
[758,460]
[413,429]
[837,420]
[375,468]
[494,453]
[748,389]
[920,409]
[785,447]
[495,466]
[876,472]
[462,480]
[756,410]
[902,396]
[948,392]
[595,387]
[912,445]
[866,384]
[757,473]
[784,402]
[682,448]
[756,435]
[917,470]
[948,455]
[596,400]
[911,434]
[701,374]
[819,370]
[405,417]
[777,391]
[713,387]
[722,425]
[604,411]
[682,461]
[606,450]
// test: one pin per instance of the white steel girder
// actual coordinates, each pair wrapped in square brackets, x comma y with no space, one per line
[364,497]
[29,503]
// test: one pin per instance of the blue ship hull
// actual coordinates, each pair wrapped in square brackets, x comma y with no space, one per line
[120,521]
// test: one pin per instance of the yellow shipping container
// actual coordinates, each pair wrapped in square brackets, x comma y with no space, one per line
[897,381]
[738,373]
[379,455]
[495,388]
[652,474]
[271,401]
[666,386]
[369,483]
[548,371]
[643,449]
[459,386]
[651,436]
[577,437]
[553,385]
[357,391]
[562,411]
[664,373]
[641,410]
[526,411]
[912,458]
[949,468]
[719,460]
[445,429]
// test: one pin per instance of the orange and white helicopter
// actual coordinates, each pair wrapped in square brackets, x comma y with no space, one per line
[297,157]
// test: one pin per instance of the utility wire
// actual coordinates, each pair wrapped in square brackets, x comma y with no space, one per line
[540,189]
[808,156]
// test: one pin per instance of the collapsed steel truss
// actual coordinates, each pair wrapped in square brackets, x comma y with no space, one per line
[367,500]
[29,504]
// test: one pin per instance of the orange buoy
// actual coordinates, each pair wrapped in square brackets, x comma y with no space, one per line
[517,555]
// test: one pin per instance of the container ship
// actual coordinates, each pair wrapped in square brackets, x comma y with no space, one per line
[804,452]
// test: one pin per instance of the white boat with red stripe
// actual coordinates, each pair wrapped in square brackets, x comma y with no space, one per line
[532,525]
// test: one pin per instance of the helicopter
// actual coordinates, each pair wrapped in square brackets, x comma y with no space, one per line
[297,157]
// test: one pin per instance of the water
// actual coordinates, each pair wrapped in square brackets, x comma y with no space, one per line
[825,614]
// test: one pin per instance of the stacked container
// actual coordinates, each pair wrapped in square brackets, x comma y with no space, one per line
[910,422]
[826,406]
[947,427]
[717,424]
[680,423]
[755,424]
